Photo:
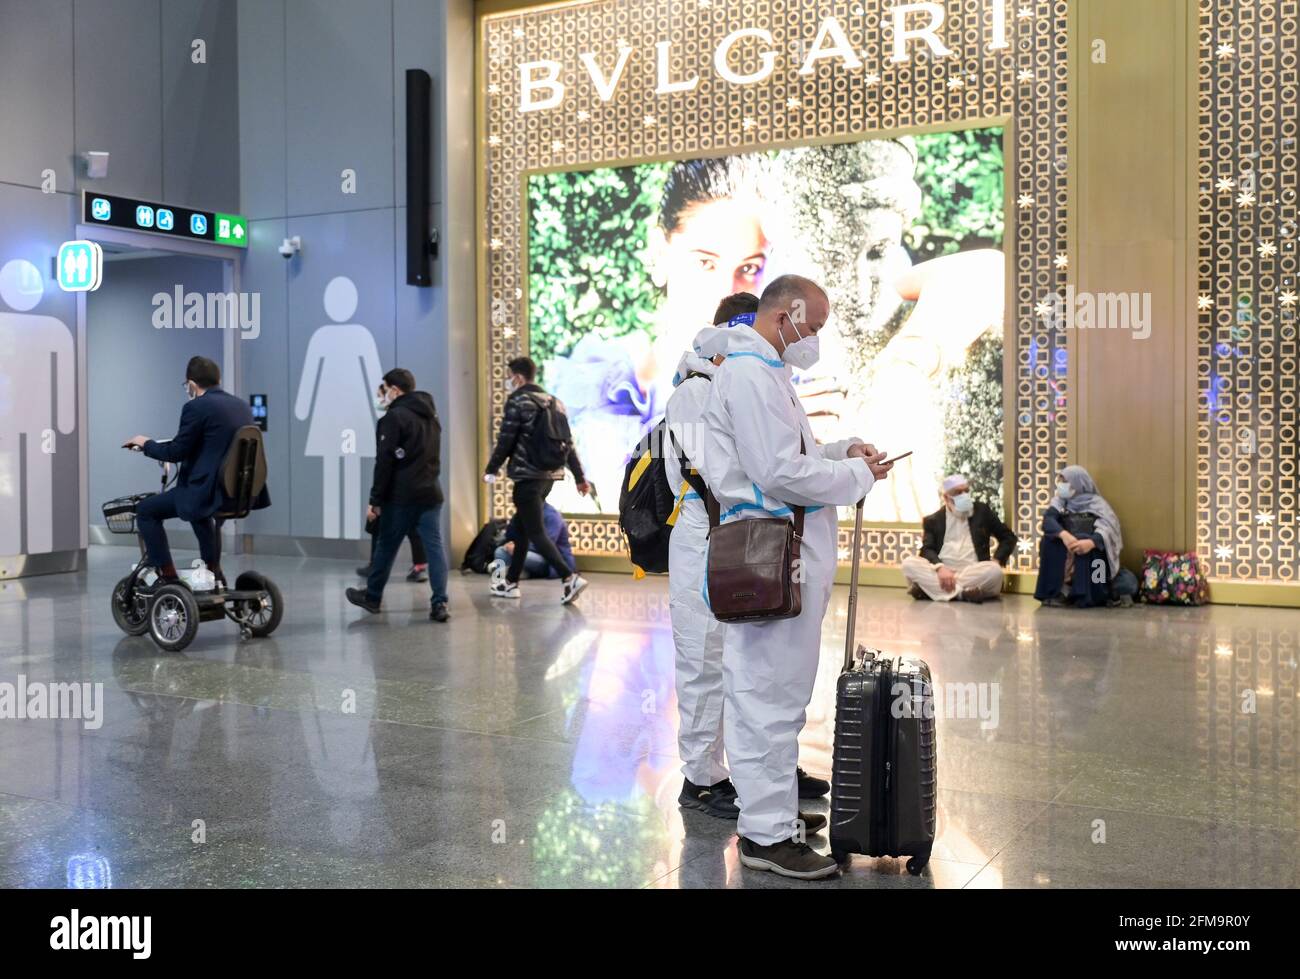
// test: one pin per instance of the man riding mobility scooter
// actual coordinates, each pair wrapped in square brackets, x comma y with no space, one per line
[172,612]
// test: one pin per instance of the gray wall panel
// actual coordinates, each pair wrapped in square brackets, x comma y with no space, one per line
[37,372]
[340,104]
[119,97]
[134,372]
[261,108]
[36,77]
[416,28]
[265,365]
[334,389]
[200,105]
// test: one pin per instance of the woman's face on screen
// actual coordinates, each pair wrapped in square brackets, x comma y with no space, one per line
[717,249]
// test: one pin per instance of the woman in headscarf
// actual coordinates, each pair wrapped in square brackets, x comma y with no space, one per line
[1079,555]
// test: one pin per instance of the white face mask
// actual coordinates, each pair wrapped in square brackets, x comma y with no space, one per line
[804,352]
[1064,490]
[962,503]
[510,386]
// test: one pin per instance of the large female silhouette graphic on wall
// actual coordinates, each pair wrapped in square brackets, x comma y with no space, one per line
[339,374]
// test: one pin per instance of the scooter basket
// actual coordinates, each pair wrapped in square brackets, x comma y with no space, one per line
[119,514]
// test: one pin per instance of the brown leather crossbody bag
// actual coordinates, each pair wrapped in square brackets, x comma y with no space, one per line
[752,565]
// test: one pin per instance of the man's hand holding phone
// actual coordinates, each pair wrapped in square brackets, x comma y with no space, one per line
[876,461]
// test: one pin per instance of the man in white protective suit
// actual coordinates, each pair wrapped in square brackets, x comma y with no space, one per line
[697,635]
[754,427]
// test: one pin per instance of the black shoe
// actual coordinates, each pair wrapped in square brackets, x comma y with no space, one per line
[439,612]
[811,787]
[813,823]
[359,598]
[363,571]
[415,574]
[788,858]
[717,800]
[917,592]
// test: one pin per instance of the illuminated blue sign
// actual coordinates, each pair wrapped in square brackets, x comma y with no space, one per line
[144,216]
[100,209]
[166,220]
[198,224]
[80,266]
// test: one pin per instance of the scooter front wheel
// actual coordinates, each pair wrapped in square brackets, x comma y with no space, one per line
[173,618]
[131,616]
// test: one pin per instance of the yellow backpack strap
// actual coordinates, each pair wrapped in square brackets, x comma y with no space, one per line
[638,470]
[677,507]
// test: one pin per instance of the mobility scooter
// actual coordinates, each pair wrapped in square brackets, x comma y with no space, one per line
[171,614]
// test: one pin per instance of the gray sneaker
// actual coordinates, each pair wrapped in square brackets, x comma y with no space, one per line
[789,858]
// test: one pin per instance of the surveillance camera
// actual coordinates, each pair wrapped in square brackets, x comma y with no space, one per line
[290,247]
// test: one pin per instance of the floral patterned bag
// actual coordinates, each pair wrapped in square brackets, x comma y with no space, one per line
[1170,578]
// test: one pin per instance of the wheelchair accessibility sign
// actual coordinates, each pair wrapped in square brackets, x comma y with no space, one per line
[80,266]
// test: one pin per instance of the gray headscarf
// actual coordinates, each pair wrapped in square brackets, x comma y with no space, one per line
[1086,499]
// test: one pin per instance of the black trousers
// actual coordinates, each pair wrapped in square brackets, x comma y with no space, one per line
[149,517]
[530,497]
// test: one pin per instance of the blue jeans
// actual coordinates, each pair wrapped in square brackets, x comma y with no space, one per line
[535,565]
[396,521]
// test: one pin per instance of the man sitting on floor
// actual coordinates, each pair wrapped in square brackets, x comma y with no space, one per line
[954,560]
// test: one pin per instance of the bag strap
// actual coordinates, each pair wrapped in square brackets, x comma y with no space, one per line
[689,473]
[711,504]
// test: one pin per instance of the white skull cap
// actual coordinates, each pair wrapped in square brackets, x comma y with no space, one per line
[950,483]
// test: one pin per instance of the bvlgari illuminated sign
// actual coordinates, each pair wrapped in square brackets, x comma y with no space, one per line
[541,85]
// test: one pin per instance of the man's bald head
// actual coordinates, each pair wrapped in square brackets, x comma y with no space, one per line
[792,301]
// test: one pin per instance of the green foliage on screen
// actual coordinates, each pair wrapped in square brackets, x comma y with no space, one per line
[586,255]
[961,180]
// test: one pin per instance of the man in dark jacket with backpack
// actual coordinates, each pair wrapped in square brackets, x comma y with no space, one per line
[535,437]
[405,494]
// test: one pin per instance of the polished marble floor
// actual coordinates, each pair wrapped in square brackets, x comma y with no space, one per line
[528,744]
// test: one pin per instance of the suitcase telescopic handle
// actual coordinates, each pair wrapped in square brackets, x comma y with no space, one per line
[853,585]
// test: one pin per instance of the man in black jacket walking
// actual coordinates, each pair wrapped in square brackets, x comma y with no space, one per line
[954,561]
[405,495]
[525,409]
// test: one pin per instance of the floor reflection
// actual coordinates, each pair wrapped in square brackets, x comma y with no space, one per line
[532,744]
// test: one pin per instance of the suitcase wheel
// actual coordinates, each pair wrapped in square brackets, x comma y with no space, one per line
[917,863]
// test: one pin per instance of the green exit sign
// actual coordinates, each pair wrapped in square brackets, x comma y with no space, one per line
[230,229]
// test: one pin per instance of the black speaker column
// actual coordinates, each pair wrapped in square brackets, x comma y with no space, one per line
[421,246]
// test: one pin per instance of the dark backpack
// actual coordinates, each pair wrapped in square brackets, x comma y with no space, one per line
[550,441]
[647,502]
[483,548]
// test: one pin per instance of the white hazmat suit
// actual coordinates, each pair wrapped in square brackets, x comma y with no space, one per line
[696,633]
[751,461]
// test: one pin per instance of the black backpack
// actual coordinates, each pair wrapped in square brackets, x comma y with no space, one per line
[550,441]
[483,548]
[647,502]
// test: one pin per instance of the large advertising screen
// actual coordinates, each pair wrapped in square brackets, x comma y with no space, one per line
[625,264]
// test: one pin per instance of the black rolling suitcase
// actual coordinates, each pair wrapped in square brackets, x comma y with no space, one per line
[883,784]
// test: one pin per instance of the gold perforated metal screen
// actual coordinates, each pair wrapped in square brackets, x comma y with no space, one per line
[1021,85]
[1247,170]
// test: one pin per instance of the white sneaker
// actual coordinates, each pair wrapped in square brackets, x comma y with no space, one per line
[497,571]
[573,588]
[503,589]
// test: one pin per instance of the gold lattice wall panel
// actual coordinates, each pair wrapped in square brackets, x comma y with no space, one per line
[1023,82]
[1247,300]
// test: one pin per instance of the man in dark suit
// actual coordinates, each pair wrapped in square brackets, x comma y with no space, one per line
[954,561]
[208,426]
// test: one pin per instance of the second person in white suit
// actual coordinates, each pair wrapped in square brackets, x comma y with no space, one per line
[760,459]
